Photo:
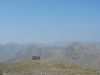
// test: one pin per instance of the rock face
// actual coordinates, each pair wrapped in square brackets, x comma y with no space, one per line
[87,54]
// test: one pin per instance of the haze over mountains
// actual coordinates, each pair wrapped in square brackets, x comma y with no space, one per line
[78,52]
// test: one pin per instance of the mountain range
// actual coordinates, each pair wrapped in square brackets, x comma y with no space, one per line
[87,54]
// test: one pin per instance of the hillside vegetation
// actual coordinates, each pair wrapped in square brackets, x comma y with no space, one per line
[72,58]
[29,66]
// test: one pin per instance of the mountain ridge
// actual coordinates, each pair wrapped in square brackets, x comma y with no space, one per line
[82,53]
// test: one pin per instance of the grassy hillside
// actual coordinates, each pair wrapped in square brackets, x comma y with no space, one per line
[44,65]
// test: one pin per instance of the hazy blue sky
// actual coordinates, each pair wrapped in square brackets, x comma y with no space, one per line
[45,21]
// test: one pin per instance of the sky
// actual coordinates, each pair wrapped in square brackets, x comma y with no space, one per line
[46,21]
